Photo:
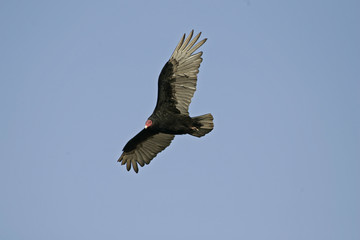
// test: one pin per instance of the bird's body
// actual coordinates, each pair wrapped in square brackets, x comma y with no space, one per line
[172,123]
[176,87]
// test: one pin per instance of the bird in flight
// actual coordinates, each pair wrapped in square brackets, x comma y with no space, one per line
[176,87]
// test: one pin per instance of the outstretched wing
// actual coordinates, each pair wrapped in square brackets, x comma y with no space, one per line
[142,148]
[177,80]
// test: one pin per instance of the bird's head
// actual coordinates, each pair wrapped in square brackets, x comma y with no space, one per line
[148,123]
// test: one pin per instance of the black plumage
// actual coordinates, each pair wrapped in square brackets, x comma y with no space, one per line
[176,87]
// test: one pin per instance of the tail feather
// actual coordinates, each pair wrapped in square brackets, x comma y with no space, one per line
[204,125]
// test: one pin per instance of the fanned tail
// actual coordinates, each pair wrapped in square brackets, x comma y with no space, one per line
[203,124]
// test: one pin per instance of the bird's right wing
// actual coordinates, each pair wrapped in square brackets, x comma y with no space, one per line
[142,148]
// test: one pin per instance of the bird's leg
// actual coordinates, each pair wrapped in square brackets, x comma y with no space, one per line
[195,129]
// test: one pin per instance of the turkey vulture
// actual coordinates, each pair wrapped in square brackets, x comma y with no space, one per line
[176,87]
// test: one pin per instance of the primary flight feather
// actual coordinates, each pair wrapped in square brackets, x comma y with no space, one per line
[176,87]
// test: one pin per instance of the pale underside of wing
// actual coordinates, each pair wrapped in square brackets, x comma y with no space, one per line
[185,69]
[145,151]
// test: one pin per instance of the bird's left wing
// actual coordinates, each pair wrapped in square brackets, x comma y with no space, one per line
[142,148]
[177,80]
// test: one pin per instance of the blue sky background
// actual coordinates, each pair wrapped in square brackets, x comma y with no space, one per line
[79,79]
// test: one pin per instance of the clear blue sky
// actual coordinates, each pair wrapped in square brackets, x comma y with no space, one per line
[78,79]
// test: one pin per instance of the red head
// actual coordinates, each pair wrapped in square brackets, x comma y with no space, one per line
[148,123]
